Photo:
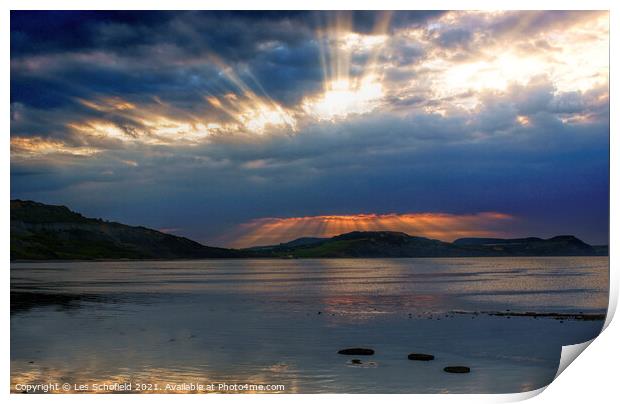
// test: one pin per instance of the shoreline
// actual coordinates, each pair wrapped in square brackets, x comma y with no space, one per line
[33,261]
[581,316]
[25,300]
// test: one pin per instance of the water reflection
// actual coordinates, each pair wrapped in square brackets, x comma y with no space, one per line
[282,322]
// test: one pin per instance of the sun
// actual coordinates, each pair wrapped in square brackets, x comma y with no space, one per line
[352,76]
[344,97]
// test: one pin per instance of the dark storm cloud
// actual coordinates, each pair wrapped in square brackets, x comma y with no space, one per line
[60,55]
[366,21]
[35,32]
[233,35]
[142,52]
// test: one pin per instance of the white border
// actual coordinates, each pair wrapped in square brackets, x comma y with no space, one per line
[593,378]
[310,5]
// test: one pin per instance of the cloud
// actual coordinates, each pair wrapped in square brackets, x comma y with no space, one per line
[271,231]
[454,37]
[299,114]
[177,59]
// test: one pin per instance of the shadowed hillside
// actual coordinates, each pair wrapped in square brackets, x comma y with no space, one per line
[40,231]
[48,232]
[382,244]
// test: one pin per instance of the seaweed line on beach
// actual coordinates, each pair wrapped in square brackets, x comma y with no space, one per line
[556,316]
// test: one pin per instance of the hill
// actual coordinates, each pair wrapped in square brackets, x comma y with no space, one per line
[564,245]
[40,231]
[384,244]
[48,232]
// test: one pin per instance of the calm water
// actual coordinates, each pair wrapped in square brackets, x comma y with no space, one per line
[258,321]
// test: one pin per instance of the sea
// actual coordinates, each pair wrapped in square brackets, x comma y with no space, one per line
[276,325]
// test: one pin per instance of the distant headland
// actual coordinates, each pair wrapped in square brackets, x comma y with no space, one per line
[51,232]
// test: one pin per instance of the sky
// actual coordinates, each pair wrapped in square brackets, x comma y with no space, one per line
[254,128]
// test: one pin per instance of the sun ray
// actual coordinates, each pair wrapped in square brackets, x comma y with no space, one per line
[251,111]
[443,226]
[347,92]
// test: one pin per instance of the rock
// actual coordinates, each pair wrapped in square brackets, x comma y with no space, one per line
[456,369]
[420,357]
[356,351]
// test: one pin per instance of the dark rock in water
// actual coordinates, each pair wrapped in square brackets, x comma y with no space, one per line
[420,357]
[356,361]
[456,369]
[356,351]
